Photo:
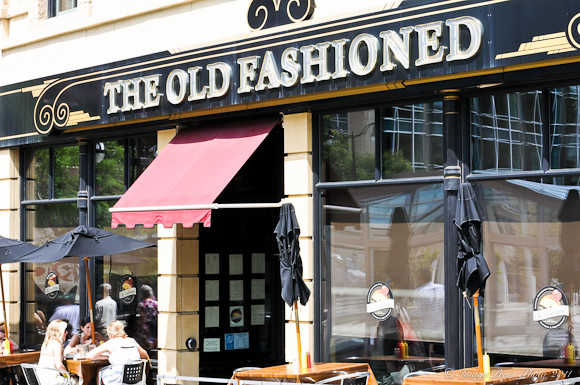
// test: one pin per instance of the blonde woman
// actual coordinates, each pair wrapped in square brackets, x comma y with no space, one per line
[121,349]
[51,354]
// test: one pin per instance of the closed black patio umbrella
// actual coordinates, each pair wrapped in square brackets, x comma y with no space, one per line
[10,249]
[472,267]
[86,242]
[293,287]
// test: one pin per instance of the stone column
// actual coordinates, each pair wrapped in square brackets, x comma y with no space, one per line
[178,293]
[298,187]
[10,228]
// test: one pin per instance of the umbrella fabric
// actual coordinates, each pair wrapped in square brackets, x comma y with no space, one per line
[472,267]
[287,232]
[83,241]
[10,249]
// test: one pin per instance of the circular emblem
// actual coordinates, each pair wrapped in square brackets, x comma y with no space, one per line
[574,31]
[551,307]
[380,302]
[236,316]
[51,286]
[128,291]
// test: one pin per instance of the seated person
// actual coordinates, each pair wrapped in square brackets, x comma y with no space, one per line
[84,337]
[13,345]
[121,348]
[51,356]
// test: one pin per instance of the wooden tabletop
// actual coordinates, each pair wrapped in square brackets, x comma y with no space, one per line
[86,369]
[18,358]
[500,375]
[318,371]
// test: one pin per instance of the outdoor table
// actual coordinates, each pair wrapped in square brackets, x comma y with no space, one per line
[318,371]
[498,375]
[86,369]
[395,363]
[570,369]
[17,358]
[392,363]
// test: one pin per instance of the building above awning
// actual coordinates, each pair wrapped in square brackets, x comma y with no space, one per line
[190,172]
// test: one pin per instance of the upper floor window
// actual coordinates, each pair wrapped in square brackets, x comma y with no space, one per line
[58,7]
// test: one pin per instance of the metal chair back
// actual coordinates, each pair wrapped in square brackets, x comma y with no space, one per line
[32,377]
[134,373]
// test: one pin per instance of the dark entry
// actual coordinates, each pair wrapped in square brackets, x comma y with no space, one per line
[241,311]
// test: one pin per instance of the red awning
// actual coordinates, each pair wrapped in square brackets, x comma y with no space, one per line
[192,169]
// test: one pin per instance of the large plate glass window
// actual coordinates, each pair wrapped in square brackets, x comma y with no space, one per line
[391,234]
[412,139]
[348,146]
[506,132]
[531,238]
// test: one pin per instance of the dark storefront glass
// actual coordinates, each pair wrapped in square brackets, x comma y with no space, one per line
[142,151]
[530,240]
[506,132]
[110,168]
[392,234]
[66,172]
[37,171]
[46,222]
[126,284]
[565,127]
[348,146]
[412,139]
[127,289]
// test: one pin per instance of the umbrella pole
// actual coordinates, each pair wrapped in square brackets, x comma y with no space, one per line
[477,330]
[90,295]
[298,334]
[6,331]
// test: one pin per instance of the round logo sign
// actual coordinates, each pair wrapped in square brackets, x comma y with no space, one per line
[51,286]
[551,307]
[128,291]
[236,316]
[380,302]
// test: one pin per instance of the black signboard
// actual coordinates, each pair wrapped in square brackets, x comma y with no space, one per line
[418,41]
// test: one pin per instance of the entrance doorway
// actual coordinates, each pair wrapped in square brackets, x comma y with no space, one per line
[241,311]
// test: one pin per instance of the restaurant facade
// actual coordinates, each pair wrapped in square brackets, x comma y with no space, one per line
[188,124]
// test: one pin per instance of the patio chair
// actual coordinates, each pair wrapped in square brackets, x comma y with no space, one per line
[357,378]
[32,377]
[133,373]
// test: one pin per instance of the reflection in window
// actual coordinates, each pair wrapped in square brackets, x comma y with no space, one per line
[142,150]
[37,172]
[412,138]
[52,173]
[506,131]
[109,168]
[62,6]
[66,172]
[348,149]
[565,127]
[44,223]
[531,238]
[392,234]
[128,289]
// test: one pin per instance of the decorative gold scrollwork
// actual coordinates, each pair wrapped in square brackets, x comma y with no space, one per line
[272,13]
[45,119]
[574,31]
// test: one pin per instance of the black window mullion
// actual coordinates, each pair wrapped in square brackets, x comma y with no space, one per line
[546,119]
[52,168]
[378,145]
